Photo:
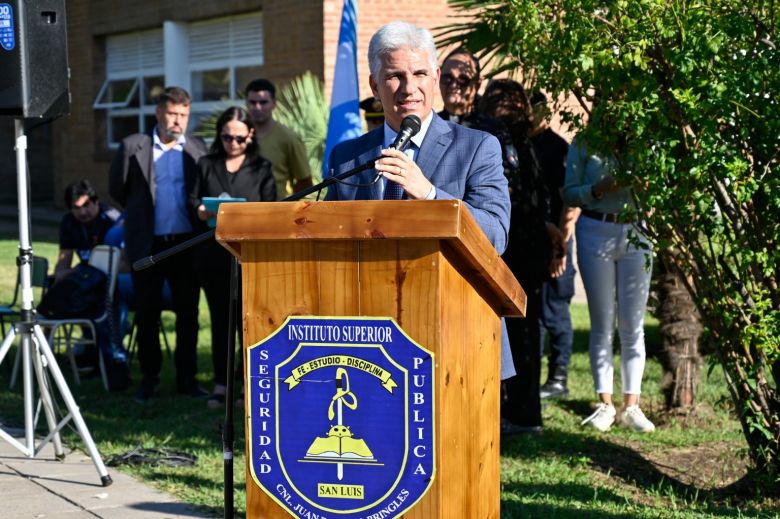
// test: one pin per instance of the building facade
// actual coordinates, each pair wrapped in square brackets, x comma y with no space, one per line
[120,53]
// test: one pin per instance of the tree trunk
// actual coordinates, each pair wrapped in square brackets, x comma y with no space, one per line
[680,331]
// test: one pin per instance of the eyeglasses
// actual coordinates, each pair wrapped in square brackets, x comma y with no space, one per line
[258,102]
[461,81]
[240,139]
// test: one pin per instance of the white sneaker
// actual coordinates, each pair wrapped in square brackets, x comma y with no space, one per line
[603,418]
[635,419]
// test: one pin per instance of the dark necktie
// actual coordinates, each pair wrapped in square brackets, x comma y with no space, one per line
[392,190]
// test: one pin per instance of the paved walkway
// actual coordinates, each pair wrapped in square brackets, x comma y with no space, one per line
[43,487]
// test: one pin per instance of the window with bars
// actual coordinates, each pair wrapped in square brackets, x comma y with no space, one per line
[134,78]
[222,56]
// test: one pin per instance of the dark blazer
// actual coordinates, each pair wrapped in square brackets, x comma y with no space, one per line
[132,185]
[254,180]
[460,162]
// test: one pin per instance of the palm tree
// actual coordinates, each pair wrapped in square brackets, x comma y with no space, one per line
[302,108]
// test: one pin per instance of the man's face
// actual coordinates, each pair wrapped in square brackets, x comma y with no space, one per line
[541,116]
[84,209]
[172,121]
[260,106]
[459,84]
[406,85]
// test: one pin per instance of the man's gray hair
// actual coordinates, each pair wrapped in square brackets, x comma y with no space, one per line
[397,35]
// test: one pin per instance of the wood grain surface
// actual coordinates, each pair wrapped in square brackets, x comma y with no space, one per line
[427,284]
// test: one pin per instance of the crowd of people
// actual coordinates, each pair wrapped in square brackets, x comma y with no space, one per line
[529,191]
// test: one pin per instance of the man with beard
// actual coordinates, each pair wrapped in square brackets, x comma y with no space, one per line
[151,176]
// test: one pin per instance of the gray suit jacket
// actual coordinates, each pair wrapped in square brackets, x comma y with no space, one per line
[132,184]
[460,162]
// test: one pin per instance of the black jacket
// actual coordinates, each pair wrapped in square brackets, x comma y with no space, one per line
[132,186]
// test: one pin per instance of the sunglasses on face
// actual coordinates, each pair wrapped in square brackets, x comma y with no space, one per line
[461,81]
[240,139]
[260,102]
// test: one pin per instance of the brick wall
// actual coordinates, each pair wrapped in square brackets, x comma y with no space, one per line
[299,35]
[293,39]
[372,14]
[79,140]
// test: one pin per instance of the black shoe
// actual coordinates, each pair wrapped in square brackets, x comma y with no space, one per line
[86,356]
[192,389]
[512,429]
[149,387]
[553,389]
[118,375]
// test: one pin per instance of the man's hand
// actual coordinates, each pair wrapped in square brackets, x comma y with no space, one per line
[559,250]
[204,214]
[397,166]
[63,266]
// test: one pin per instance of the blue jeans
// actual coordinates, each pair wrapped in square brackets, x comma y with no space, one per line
[555,315]
[616,275]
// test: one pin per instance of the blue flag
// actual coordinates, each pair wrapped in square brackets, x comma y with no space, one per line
[344,122]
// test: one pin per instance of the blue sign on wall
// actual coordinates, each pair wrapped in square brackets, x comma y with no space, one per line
[7,36]
[341,417]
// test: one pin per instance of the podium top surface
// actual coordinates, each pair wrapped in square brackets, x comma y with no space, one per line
[445,220]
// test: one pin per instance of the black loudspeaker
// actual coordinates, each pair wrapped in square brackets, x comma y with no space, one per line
[34,69]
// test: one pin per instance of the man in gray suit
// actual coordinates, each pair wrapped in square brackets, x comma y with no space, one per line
[151,176]
[443,161]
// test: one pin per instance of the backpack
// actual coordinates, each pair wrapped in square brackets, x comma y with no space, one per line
[81,294]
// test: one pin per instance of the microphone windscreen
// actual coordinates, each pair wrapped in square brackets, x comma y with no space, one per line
[413,123]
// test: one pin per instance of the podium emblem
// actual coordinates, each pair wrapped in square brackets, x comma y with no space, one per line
[341,415]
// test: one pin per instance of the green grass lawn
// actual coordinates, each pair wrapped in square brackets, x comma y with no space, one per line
[690,467]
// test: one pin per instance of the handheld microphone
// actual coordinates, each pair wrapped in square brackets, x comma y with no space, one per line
[409,128]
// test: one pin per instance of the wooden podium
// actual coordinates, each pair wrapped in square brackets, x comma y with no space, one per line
[426,264]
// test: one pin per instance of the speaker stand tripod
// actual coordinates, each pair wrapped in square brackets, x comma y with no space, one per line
[37,355]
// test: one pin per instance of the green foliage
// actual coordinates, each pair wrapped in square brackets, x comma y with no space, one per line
[302,108]
[684,94]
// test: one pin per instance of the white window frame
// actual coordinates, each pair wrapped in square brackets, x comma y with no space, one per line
[135,70]
[173,68]
[141,111]
[226,59]
[117,104]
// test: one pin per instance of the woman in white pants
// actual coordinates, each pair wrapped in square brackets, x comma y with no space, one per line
[616,274]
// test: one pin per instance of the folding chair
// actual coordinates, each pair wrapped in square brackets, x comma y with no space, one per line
[61,331]
[40,272]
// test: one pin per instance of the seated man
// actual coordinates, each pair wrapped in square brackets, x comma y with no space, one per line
[84,226]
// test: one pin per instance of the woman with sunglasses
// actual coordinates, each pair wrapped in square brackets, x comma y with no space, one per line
[235,168]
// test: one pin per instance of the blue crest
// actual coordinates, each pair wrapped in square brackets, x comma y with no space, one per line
[7,34]
[341,417]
